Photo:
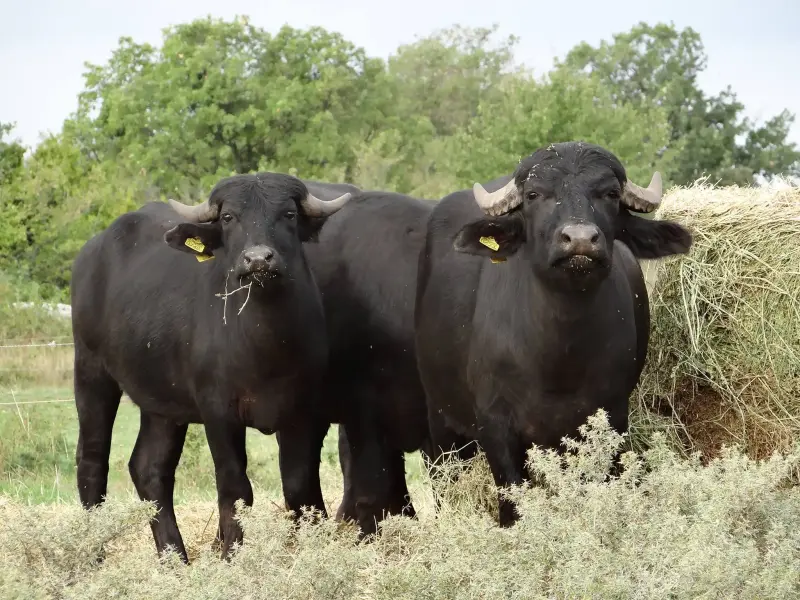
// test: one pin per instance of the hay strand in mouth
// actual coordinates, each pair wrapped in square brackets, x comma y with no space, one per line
[225,295]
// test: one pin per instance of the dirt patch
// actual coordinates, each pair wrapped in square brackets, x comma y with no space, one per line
[705,421]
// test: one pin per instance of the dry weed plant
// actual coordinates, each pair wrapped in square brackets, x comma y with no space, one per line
[667,527]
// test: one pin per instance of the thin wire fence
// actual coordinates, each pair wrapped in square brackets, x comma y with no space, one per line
[24,402]
[47,345]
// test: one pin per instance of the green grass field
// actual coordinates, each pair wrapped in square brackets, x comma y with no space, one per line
[39,431]
[37,454]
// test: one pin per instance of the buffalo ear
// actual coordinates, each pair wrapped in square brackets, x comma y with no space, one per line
[197,239]
[495,237]
[648,238]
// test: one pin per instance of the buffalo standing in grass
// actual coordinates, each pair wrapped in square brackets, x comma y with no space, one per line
[365,264]
[151,317]
[521,349]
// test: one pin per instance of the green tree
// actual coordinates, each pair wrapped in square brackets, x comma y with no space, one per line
[659,65]
[446,75]
[57,202]
[221,97]
[565,106]
[12,230]
[12,155]
[437,85]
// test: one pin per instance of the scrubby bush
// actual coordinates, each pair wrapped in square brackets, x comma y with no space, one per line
[667,527]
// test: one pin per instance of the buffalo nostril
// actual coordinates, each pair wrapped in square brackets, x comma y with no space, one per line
[260,259]
[595,238]
[565,238]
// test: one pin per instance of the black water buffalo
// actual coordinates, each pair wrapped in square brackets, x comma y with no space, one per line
[365,264]
[153,316]
[522,348]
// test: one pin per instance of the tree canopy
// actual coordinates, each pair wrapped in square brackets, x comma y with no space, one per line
[221,97]
[660,64]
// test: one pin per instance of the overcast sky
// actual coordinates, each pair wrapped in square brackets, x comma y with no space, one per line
[754,46]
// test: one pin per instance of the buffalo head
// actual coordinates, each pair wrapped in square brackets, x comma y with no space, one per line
[562,211]
[255,224]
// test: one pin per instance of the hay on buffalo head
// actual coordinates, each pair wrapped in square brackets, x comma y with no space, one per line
[724,360]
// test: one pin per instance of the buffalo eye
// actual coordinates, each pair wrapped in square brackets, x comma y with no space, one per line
[290,215]
[532,195]
[614,194]
[227,217]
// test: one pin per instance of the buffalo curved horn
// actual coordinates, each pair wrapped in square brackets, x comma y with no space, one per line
[195,214]
[314,207]
[641,199]
[499,202]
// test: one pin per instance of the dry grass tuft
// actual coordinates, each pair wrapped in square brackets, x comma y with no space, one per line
[25,329]
[35,363]
[724,360]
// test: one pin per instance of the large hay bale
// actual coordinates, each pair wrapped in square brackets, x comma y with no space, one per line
[724,359]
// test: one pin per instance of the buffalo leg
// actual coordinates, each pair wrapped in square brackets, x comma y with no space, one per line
[398,500]
[506,457]
[371,482]
[152,466]
[375,484]
[97,398]
[380,486]
[226,440]
[300,447]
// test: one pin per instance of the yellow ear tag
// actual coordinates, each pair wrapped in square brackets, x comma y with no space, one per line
[490,242]
[197,245]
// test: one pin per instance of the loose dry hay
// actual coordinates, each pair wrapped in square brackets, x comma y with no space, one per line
[723,363]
